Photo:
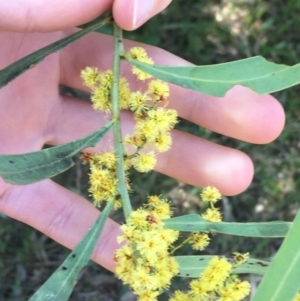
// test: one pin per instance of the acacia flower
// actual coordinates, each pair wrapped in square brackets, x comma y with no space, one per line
[168,235]
[144,281]
[210,194]
[138,102]
[154,199]
[198,289]
[148,296]
[199,241]
[103,185]
[234,290]
[101,93]
[159,206]
[163,141]
[101,99]
[90,76]
[138,219]
[105,160]
[103,179]
[215,283]
[180,296]
[164,120]
[215,273]
[159,89]
[137,53]
[124,93]
[212,215]
[147,128]
[145,162]
[148,244]
[140,54]
[166,269]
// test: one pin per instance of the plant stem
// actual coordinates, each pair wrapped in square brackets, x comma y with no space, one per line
[119,149]
[180,245]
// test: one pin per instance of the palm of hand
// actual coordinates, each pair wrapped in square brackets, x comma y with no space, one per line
[32,113]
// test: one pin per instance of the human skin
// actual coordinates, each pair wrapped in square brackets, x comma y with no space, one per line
[33,113]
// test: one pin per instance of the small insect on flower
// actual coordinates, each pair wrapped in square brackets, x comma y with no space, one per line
[240,258]
[85,157]
[152,219]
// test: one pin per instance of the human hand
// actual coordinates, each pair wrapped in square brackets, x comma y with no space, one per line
[47,16]
[32,113]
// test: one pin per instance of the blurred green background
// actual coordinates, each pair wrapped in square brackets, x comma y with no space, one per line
[203,32]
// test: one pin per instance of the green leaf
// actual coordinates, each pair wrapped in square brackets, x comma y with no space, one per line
[194,223]
[14,70]
[282,282]
[193,266]
[256,73]
[32,167]
[60,285]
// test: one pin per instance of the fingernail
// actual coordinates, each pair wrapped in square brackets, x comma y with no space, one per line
[141,11]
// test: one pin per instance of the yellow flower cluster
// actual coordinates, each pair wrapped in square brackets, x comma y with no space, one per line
[199,241]
[140,54]
[144,162]
[101,83]
[211,195]
[215,283]
[102,178]
[153,124]
[153,120]
[144,263]
[212,277]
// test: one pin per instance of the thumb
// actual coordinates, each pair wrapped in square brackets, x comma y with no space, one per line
[131,14]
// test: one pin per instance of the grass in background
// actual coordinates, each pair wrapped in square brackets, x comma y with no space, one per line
[203,32]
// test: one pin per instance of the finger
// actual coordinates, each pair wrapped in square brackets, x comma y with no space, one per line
[43,16]
[61,215]
[241,113]
[131,14]
[201,163]
[191,159]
